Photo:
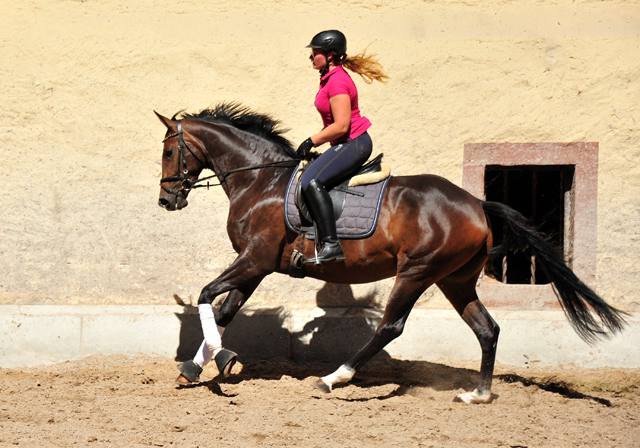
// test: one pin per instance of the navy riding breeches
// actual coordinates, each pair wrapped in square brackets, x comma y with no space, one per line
[337,162]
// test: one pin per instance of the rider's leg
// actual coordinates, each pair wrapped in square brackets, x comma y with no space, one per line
[321,209]
[338,162]
[331,167]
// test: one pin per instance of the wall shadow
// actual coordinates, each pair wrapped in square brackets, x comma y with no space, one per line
[191,335]
[258,335]
[254,335]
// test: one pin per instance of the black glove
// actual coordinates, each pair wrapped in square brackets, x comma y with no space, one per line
[305,147]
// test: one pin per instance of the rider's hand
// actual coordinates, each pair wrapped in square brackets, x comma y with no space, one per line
[305,147]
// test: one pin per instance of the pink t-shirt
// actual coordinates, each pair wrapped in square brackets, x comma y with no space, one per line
[338,82]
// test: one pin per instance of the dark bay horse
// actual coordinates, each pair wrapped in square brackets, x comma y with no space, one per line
[429,232]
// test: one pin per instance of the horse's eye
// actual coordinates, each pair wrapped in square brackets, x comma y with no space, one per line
[168,153]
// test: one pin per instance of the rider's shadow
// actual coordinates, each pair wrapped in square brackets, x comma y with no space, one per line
[347,325]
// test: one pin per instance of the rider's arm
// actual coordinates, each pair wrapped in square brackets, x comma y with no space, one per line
[341,111]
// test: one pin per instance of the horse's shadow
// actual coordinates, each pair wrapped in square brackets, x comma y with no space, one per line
[190,336]
[323,344]
[406,376]
[379,371]
[264,334]
[269,350]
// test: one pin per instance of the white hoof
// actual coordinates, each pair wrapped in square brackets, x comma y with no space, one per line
[322,386]
[342,375]
[473,397]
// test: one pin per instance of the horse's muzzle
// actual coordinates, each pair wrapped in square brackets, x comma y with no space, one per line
[172,202]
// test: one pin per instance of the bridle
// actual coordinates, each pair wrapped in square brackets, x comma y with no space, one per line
[187,184]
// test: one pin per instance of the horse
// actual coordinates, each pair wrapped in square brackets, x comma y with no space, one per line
[429,231]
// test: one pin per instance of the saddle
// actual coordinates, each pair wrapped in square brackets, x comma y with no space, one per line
[356,202]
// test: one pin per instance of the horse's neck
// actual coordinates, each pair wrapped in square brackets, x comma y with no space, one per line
[242,150]
[260,183]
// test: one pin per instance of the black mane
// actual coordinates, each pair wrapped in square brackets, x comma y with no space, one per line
[241,117]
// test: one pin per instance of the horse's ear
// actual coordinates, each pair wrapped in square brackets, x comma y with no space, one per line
[166,121]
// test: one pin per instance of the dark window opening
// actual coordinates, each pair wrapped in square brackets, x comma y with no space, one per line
[544,194]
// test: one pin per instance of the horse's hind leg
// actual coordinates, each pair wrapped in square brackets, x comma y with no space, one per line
[403,297]
[463,297]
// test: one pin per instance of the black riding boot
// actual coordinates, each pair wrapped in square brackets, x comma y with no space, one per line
[321,209]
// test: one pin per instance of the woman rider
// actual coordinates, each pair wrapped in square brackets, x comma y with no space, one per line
[344,128]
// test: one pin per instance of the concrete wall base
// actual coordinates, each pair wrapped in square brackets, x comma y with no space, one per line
[34,335]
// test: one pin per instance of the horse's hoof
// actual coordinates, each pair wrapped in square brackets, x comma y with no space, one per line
[473,398]
[322,386]
[225,360]
[182,380]
[190,371]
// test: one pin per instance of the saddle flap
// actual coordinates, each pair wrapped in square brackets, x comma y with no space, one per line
[337,194]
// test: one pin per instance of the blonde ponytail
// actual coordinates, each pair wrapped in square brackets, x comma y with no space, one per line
[367,66]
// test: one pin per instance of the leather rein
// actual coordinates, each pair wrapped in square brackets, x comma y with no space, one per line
[187,184]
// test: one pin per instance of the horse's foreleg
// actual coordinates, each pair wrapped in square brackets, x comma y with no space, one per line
[228,309]
[403,297]
[464,299]
[235,300]
[242,278]
[240,275]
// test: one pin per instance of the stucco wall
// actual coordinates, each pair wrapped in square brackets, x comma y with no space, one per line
[81,147]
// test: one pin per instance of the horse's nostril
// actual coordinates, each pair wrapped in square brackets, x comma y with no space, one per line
[162,202]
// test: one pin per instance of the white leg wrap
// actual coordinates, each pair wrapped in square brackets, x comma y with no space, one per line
[342,375]
[209,328]
[474,397]
[203,355]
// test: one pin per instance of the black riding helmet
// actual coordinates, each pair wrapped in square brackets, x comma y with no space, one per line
[331,41]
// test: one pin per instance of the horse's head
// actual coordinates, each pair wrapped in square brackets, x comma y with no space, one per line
[181,165]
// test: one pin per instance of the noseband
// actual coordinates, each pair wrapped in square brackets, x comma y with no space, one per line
[187,184]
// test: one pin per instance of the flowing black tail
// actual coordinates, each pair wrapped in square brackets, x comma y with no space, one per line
[581,305]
